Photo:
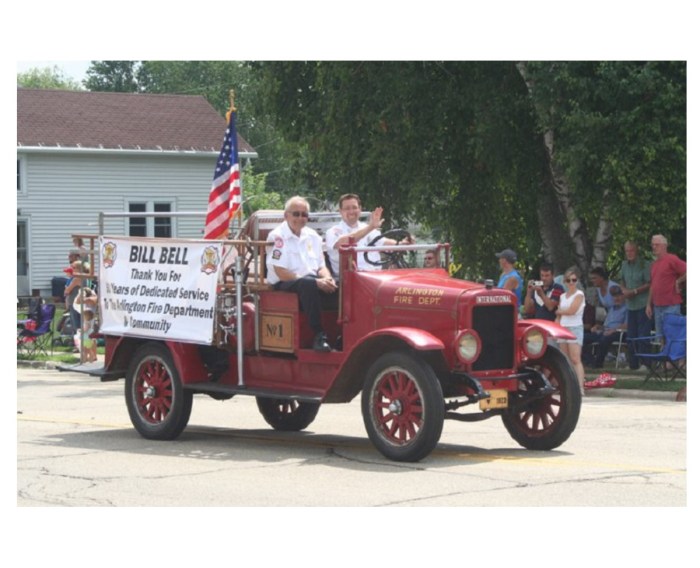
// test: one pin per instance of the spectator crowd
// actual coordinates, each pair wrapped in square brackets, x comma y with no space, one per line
[609,311]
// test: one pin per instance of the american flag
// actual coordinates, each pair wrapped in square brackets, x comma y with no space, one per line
[225,194]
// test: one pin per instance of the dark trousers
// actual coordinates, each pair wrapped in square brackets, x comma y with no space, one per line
[603,345]
[74,319]
[309,297]
[638,325]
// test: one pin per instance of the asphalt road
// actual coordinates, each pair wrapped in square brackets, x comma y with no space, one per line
[230,489]
[76,447]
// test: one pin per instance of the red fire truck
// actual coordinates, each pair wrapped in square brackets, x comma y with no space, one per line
[417,345]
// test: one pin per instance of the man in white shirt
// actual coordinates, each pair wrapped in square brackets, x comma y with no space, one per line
[295,263]
[351,227]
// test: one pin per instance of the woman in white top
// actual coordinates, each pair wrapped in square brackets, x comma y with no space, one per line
[570,315]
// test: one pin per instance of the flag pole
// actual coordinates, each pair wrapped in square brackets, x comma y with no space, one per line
[232,108]
[231,105]
[225,193]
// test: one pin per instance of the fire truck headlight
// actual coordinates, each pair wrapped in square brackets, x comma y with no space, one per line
[534,343]
[468,346]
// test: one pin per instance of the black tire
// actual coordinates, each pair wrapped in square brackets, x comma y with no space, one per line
[287,415]
[159,406]
[403,407]
[546,423]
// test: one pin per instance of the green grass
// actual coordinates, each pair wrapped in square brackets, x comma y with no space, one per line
[651,384]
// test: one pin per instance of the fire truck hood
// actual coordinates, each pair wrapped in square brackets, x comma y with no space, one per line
[430,289]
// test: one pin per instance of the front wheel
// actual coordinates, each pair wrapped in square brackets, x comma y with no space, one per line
[403,407]
[287,415]
[159,406]
[546,422]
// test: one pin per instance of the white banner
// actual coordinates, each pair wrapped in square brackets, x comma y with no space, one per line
[160,288]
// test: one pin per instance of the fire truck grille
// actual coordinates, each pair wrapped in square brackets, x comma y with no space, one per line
[496,327]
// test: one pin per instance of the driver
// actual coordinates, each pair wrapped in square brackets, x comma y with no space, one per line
[351,227]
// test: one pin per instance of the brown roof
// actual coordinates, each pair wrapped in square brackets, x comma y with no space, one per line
[53,118]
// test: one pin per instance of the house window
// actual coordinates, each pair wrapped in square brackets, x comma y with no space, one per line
[21,248]
[149,225]
[21,176]
[162,226]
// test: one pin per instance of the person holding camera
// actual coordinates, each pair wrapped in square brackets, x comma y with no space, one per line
[542,297]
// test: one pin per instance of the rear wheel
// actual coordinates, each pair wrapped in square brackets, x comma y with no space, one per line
[546,423]
[287,415]
[158,405]
[403,407]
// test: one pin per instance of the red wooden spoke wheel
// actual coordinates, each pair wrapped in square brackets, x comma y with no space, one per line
[158,405]
[402,406]
[546,422]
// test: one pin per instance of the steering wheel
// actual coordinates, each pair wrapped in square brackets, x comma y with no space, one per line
[391,257]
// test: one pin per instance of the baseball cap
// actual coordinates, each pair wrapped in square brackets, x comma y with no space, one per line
[508,254]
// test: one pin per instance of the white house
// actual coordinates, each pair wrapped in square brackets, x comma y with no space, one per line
[81,153]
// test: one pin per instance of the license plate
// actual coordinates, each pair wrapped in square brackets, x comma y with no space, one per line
[498,399]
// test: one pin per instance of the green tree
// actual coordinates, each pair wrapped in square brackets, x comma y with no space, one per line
[47,78]
[561,160]
[449,144]
[615,138]
[255,193]
[558,160]
[112,76]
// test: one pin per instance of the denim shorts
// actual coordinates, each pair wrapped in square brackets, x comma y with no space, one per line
[659,313]
[577,330]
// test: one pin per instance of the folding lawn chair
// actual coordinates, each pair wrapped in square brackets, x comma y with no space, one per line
[668,363]
[34,337]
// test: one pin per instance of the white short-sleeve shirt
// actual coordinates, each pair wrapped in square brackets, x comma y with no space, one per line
[342,229]
[301,254]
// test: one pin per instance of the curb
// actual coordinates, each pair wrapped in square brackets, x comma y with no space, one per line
[632,393]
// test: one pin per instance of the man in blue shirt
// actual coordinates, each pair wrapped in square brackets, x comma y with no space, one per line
[510,278]
[615,321]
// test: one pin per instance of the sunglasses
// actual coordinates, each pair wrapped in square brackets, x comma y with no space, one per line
[304,214]
[571,280]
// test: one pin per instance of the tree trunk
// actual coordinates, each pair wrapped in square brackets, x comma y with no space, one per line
[578,232]
[556,244]
[603,236]
[579,240]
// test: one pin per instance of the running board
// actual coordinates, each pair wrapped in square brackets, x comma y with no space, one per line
[94,369]
[214,389]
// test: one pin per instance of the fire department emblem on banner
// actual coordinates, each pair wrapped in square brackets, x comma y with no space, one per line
[210,260]
[109,254]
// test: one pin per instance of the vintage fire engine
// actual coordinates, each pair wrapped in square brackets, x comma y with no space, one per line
[417,345]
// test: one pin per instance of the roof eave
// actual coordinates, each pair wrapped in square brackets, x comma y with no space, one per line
[124,151]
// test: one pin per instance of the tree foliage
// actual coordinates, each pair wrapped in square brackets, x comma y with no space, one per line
[561,160]
[46,78]
[112,76]
[620,139]
[463,146]
[448,144]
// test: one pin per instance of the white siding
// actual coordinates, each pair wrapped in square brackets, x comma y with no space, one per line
[66,192]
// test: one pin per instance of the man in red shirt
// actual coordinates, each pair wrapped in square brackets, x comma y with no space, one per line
[668,274]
